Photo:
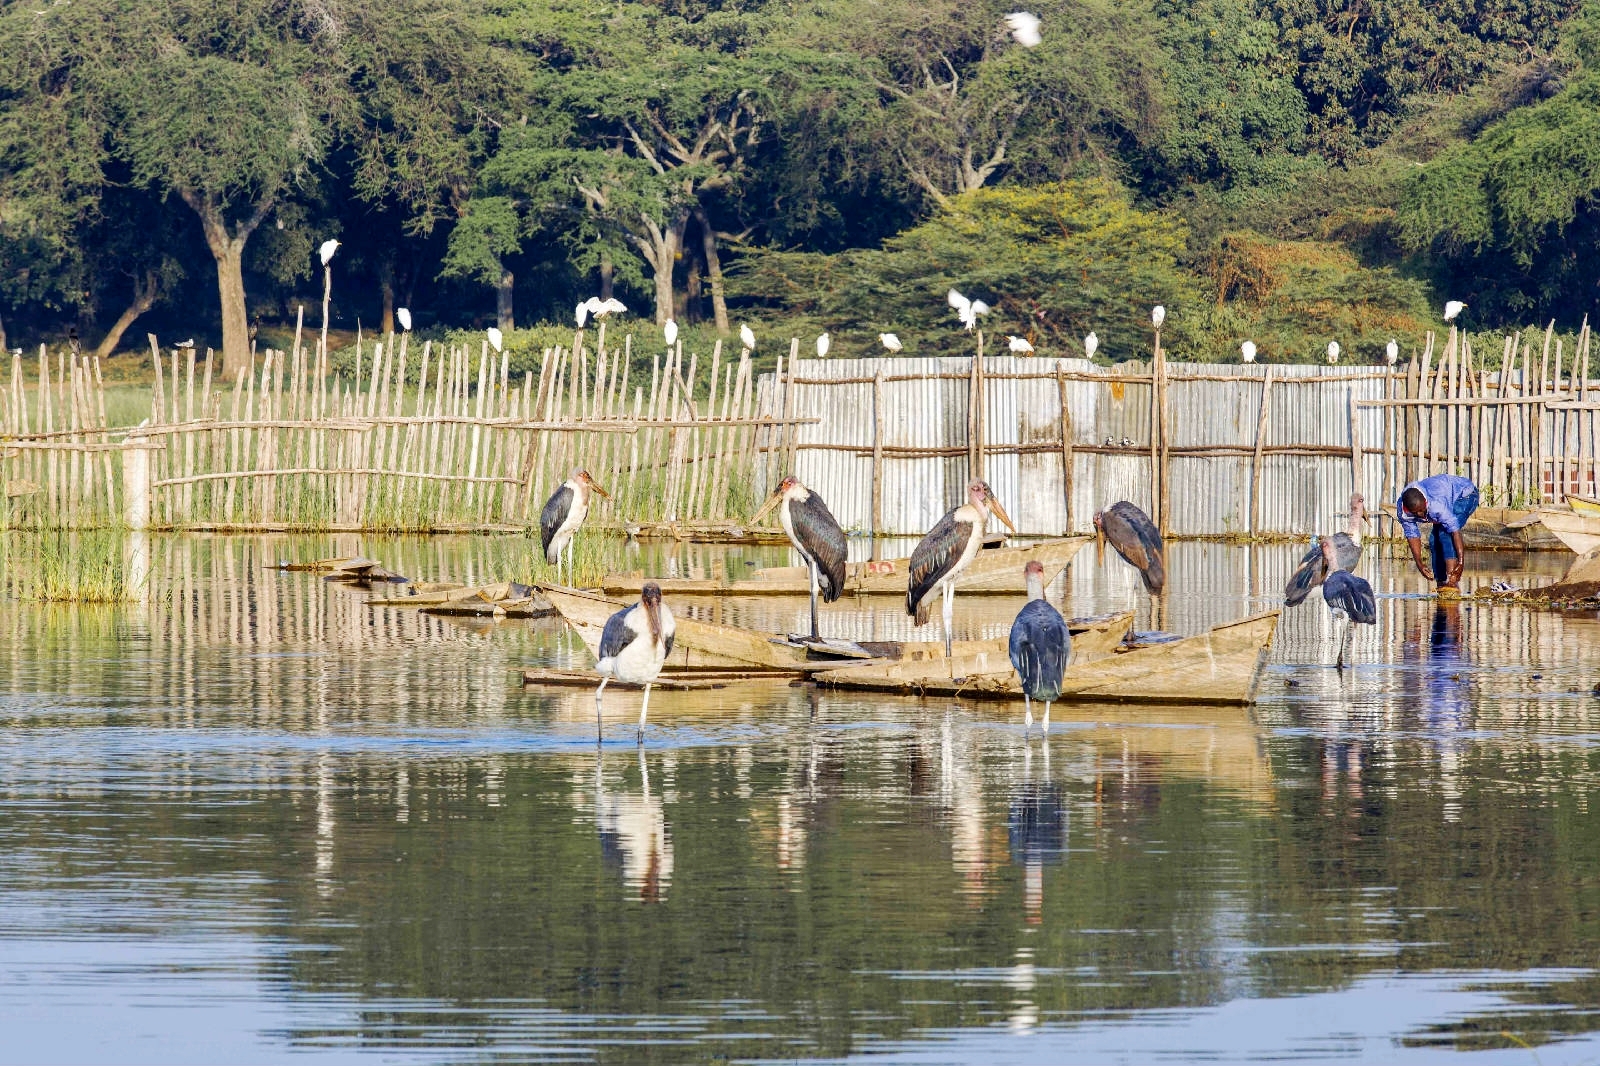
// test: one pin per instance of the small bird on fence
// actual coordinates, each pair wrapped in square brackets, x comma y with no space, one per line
[670,331]
[185,344]
[1024,26]
[1248,350]
[563,513]
[1018,344]
[824,342]
[1127,442]
[1333,352]
[1391,352]
[815,534]
[496,338]
[946,551]
[890,341]
[402,315]
[966,310]
[1452,309]
[747,336]
[1111,442]
[1136,539]
[1041,647]
[1091,344]
[1349,597]
[1158,315]
[1313,568]
[326,250]
[633,647]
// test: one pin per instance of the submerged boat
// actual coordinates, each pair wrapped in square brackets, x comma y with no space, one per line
[1579,532]
[994,571]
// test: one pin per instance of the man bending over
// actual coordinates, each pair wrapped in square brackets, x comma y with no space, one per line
[1447,502]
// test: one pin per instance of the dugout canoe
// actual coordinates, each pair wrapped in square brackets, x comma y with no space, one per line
[994,571]
[704,646]
[1579,532]
[1220,666]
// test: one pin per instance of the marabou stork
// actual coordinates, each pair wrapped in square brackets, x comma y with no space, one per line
[633,645]
[1349,597]
[563,513]
[1313,570]
[1040,648]
[946,551]
[815,534]
[1136,539]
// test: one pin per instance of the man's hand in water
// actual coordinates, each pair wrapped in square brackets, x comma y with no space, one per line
[1453,573]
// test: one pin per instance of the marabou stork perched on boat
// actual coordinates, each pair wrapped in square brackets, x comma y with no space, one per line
[634,644]
[1136,539]
[946,551]
[1349,597]
[815,534]
[563,513]
[1040,648]
[1313,570]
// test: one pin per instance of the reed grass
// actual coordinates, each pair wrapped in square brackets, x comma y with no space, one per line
[69,566]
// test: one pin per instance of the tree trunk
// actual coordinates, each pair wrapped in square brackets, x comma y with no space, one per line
[504,316]
[660,248]
[386,287]
[227,248]
[708,243]
[144,296]
[608,274]
[3,348]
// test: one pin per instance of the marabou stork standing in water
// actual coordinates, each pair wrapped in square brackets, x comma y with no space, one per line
[1313,570]
[563,513]
[946,551]
[1136,539]
[633,645]
[815,534]
[1349,598]
[1040,648]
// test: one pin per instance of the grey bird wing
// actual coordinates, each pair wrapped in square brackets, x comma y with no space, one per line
[824,542]
[1041,647]
[1311,572]
[1351,594]
[616,635]
[935,557]
[1137,540]
[556,509]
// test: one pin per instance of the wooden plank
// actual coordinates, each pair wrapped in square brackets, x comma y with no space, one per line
[1066,448]
[1256,464]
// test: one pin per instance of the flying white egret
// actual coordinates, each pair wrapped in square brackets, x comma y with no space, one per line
[1091,344]
[1452,309]
[1018,344]
[609,306]
[402,315]
[747,336]
[824,342]
[1248,350]
[670,331]
[325,253]
[1158,315]
[583,313]
[1333,352]
[1391,353]
[496,338]
[966,310]
[890,341]
[1024,26]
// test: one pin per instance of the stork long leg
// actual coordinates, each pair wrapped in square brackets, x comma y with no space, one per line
[599,721]
[1027,714]
[1344,641]
[1047,720]
[644,709]
[814,633]
[949,621]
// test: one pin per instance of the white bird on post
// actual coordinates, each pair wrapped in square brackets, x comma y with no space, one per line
[1158,315]
[1091,344]
[402,315]
[747,336]
[670,331]
[1019,344]
[325,252]
[824,342]
[1248,350]
[1333,352]
[582,312]
[496,338]
[1452,309]
[1024,27]
[966,310]
[1391,353]
[609,306]
[890,341]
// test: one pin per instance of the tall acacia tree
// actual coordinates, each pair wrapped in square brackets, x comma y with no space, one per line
[229,107]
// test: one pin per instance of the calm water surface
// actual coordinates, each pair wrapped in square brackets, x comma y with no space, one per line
[256,819]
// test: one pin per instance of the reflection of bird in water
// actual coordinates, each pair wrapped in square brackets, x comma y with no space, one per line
[633,836]
[1036,830]
[1313,569]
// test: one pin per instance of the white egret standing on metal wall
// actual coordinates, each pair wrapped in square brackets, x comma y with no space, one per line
[824,342]
[1248,350]
[1391,353]
[1018,344]
[1333,352]
[890,341]
[1091,344]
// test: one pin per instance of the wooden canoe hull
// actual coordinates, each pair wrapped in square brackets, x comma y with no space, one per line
[1579,532]
[1220,666]
[997,571]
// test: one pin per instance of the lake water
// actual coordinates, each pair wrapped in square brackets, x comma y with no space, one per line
[254,819]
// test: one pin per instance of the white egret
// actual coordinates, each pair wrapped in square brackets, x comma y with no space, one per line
[1333,352]
[1024,26]
[609,306]
[1158,315]
[747,336]
[966,310]
[824,342]
[1391,353]
[583,313]
[325,253]
[1248,350]
[670,331]
[185,344]
[1452,309]
[1018,344]
[890,341]
[496,338]
[402,315]
[1091,344]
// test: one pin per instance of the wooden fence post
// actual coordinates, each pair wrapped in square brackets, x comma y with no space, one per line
[136,482]
[877,459]
[1066,450]
[1261,443]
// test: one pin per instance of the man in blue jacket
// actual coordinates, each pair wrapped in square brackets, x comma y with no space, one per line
[1447,502]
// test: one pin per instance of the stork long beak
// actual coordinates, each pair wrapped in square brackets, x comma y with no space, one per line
[772,501]
[598,489]
[1000,513]
[1099,546]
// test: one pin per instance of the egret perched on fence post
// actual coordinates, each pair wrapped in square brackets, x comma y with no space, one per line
[1452,309]
[633,647]
[1333,352]
[747,336]
[670,332]
[1091,344]
[967,311]
[496,338]
[1391,353]
[325,253]
[563,513]
[1040,648]
[815,534]
[403,316]
[946,551]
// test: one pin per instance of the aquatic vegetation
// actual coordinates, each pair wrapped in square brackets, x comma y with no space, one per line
[70,566]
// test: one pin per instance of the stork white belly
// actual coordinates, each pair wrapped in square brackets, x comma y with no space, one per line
[974,542]
[788,529]
[575,517]
[641,659]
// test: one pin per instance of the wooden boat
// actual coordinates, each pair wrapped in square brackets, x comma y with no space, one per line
[993,571]
[704,646]
[1584,505]
[1220,666]
[1579,532]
